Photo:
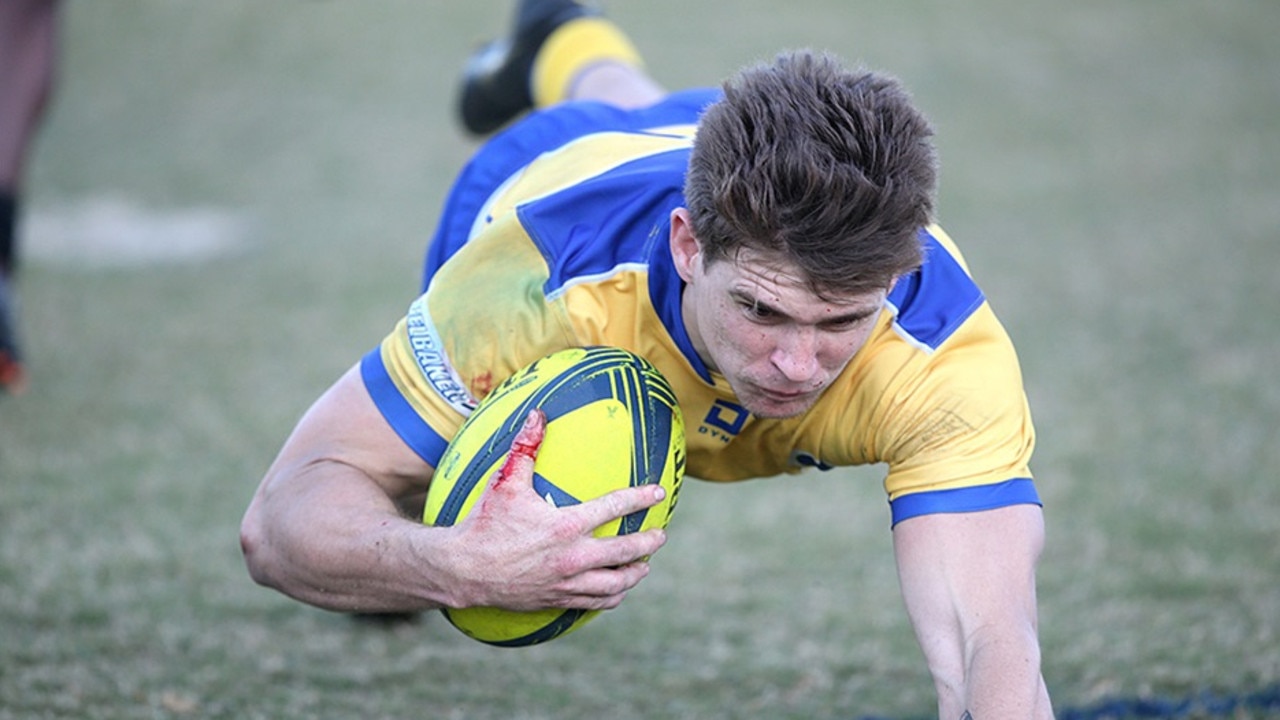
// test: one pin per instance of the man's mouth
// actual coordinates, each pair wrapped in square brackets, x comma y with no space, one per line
[783,395]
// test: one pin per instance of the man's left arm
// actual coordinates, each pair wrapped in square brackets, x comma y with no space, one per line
[968,580]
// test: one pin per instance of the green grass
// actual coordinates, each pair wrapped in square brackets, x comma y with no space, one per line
[1112,171]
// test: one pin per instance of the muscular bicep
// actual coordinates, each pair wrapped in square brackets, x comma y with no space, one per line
[345,427]
[970,568]
[342,475]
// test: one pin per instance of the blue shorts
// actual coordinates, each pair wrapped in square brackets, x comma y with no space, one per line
[537,133]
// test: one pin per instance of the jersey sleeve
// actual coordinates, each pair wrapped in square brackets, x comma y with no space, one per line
[484,317]
[957,434]
[951,418]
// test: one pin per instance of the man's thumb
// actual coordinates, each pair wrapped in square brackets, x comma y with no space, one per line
[524,449]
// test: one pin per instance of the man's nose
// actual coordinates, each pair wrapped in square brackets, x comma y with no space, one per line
[796,354]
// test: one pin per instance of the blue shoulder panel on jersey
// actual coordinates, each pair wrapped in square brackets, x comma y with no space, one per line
[410,426]
[607,221]
[617,219]
[1018,491]
[933,301]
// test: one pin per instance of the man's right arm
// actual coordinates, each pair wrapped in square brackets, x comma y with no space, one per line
[324,527]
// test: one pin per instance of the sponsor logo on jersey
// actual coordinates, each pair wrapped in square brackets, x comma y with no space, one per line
[724,421]
[428,350]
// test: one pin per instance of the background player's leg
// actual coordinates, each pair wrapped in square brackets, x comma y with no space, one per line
[620,84]
[558,50]
[27,54]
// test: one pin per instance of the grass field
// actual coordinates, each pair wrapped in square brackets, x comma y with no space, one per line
[228,206]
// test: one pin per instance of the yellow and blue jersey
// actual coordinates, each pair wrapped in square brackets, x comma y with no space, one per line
[556,235]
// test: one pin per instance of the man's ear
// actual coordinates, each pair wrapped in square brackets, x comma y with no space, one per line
[686,253]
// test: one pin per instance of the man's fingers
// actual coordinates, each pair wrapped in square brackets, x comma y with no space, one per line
[604,588]
[618,503]
[615,551]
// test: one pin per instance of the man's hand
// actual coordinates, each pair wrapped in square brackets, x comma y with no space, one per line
[516,552]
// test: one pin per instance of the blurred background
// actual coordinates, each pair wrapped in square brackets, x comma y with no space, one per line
[228,203]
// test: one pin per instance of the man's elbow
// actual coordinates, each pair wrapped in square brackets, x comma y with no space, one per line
[253,547]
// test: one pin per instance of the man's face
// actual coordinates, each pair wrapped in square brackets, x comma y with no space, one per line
[758,324]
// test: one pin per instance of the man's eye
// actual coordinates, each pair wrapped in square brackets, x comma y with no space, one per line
[757,312]
[841,324]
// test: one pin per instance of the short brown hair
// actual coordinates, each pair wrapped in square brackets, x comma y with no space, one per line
[830,169]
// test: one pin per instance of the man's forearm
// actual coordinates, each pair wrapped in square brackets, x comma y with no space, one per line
[333,544]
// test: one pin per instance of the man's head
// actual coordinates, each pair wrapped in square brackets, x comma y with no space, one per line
[807,189]
[829,169]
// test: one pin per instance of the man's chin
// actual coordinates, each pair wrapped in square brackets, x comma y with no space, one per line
[771,408]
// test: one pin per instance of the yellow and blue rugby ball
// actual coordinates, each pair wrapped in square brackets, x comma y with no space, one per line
[612,422]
